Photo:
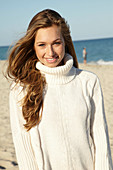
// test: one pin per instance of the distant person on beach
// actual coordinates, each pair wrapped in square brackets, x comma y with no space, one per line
[85,55]
[56,109]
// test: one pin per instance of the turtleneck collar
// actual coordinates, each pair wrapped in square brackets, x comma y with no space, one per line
[60,74]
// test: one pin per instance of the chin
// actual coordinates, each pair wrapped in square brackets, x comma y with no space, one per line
[52,65]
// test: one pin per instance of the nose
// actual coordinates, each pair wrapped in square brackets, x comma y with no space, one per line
[50,51]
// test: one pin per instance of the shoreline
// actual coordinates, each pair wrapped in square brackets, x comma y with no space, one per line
[99,62]
[7,152]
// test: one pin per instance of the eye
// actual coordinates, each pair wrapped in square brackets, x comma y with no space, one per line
[57,43]
[41,45]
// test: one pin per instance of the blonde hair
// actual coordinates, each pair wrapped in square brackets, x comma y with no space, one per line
[22,63]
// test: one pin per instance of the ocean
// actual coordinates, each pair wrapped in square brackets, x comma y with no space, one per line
[99,51]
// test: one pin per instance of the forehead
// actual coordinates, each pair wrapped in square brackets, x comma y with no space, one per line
[52,32]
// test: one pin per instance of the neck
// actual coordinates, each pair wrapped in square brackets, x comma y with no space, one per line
[60,74]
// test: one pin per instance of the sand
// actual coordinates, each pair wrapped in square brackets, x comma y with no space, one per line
[7,153]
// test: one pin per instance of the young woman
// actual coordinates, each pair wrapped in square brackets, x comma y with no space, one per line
[56,110]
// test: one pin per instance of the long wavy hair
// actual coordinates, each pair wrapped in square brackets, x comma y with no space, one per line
[22,64]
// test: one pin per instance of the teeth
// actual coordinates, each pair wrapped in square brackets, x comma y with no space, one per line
[50,59]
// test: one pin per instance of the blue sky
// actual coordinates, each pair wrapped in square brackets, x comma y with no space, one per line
[88,19]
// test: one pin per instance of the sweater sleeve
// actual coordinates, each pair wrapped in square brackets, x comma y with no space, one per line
[103,160]
[21,138]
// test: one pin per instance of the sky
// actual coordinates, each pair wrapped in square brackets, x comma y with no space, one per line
[88,19]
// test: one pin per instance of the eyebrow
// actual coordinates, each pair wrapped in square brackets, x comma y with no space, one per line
[38,42]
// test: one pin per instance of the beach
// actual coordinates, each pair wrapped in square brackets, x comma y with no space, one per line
[7,153]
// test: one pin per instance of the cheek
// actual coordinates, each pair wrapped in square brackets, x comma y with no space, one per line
[61,50]
[38,52]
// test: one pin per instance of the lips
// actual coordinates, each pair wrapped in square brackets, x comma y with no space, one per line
[51,60]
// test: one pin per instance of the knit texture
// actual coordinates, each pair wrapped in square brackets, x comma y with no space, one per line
[73,133]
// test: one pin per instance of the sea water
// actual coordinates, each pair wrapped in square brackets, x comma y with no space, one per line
[99,51]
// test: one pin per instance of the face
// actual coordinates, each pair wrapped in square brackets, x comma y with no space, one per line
[49,46]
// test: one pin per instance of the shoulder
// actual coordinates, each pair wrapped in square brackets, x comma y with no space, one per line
[85,75]
[16,88]
[17,91]
[88,79]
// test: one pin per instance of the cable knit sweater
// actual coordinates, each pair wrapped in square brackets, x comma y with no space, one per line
[72,134]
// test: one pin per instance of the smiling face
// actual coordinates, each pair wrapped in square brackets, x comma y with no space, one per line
[49,46]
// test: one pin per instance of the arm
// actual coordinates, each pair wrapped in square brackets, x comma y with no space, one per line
[21,138]
[103,160]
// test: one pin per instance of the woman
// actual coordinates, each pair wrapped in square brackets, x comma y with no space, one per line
[56,110]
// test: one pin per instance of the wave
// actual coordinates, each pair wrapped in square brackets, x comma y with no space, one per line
[101,62]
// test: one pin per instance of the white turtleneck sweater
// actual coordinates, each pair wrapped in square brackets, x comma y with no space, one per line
[72,134]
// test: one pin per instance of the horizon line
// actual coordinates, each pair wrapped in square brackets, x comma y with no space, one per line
[93,39]
[74,40]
